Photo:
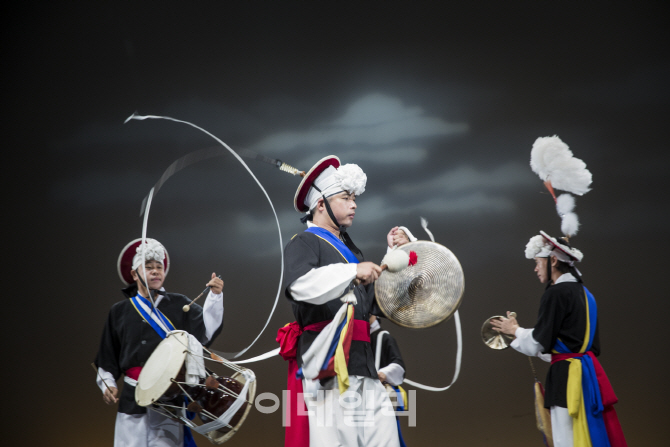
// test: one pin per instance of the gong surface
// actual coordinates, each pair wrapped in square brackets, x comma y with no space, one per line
[424,294]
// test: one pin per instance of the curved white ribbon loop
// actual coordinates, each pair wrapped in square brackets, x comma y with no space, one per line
[175,167]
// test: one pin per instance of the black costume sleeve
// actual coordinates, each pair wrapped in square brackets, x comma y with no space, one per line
[390,352]
[110,348]
[301,256]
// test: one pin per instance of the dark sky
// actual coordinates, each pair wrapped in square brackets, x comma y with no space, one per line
[438,103]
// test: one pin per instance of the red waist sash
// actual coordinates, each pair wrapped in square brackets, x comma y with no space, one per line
[134,372]
[612,425]
[361,330]
[297,425]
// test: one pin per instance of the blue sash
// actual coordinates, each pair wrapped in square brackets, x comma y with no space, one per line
[335,242]
[590,388]
[397,421]
[137,302]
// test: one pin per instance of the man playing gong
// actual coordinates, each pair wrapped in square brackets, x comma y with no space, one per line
[134,328]
[324,269]
[578,392]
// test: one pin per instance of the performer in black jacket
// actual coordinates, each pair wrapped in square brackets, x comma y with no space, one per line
[324,269]
[133,330]
[578,393]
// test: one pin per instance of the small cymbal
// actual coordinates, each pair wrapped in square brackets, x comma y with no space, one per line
[494,339]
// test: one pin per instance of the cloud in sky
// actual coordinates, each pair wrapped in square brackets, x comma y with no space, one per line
[467,177]
[374,120]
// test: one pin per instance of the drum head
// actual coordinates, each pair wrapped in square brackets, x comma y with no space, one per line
[163,365]
[424,294]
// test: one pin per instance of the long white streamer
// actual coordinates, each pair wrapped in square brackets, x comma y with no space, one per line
[281,243]
[258,358]
[144,251]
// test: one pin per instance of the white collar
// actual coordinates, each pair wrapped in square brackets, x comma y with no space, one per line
[157,300]
[565,277]
[374,326]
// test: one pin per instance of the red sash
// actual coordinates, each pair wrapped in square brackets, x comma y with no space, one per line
[133,373]
[612,425]
[297,428]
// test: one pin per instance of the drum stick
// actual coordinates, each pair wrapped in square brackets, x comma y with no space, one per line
[103,380]
[187,307]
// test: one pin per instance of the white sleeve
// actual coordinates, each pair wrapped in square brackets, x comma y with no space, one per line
[395,373]
[526,344]
[212,313]
[107,377]
[320,285]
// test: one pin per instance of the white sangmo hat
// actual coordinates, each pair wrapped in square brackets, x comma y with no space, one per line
[130,257]
[326,178]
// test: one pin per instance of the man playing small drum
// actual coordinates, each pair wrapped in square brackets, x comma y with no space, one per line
[135,327]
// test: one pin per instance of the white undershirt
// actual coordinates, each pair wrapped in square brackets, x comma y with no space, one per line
[524,341]
[212,316]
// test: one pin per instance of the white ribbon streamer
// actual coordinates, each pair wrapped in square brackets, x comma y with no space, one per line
[281,243]
[459,352]
[258,358]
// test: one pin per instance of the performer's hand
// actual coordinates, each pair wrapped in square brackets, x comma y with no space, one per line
[110,398]
[389,237]
[367,272]
[507,325]
[215,284]
[400,238]
[382,376]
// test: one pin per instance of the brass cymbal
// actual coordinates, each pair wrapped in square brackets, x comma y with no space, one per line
[424,294]
[494,339]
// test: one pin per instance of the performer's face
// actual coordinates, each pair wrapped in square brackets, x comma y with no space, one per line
[344,208]
[155,275]
[541,269]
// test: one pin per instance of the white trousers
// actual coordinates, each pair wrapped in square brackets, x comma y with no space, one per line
[362,416]
[561,427]
[147,430]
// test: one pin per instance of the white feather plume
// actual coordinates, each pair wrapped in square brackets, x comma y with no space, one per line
[552,160]
[565,204]
[569,224]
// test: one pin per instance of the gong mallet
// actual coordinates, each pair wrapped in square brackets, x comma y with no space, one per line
[395,261]
[187,307]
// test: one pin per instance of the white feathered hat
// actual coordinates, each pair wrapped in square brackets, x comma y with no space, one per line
[554,163]
[326,178]
[543,246]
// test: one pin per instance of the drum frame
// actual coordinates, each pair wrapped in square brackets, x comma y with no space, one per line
[241,375]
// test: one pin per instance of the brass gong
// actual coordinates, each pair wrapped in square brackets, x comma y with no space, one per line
[424,294]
